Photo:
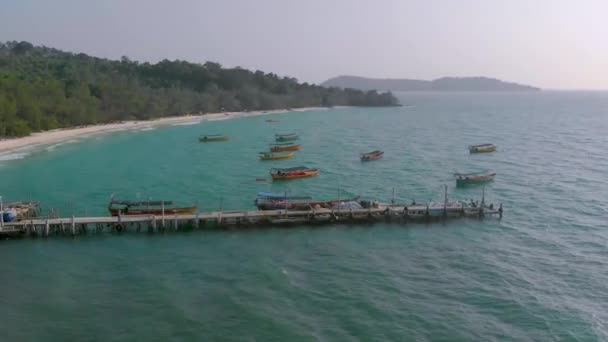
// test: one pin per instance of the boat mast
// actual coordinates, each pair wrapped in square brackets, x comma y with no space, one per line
[393,200]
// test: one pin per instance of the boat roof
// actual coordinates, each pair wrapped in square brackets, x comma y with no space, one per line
[297,168]
[480,173]
[213,135]
[374,152]
[280,196]
[481,145]
[284,144]
[285,135]
[141,203]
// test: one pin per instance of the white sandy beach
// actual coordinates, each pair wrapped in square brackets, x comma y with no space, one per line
[61,135]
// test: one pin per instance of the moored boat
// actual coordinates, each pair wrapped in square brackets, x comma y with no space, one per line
[482,148]
[293,173]
[270,201]
[284,147]
[286,137]
[213,137]
[464,179]
[15,211]
[158,208]
[275,156]
[372,155]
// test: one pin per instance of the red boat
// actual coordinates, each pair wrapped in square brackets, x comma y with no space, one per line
[372,155]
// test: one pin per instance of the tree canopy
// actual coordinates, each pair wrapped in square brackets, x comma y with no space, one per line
[43,88]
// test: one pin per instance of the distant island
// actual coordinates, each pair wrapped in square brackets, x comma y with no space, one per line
[42,88]
[440,84]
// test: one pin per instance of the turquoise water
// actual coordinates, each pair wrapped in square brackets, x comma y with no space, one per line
[538,274]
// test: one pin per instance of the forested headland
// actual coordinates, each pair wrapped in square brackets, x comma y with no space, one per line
[43,88]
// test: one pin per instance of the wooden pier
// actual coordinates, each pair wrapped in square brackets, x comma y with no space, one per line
[224,219]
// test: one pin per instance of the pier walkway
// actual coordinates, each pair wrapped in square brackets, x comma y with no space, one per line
[150,223]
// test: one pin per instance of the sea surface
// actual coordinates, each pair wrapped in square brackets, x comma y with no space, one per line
[539,274]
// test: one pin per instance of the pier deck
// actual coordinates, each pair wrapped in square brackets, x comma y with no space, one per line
[150,223]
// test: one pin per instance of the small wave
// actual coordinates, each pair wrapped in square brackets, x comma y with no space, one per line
[145,129]
[54,146]
[189,123]
[12,156]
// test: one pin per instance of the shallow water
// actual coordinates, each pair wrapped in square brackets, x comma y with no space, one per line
[538,274]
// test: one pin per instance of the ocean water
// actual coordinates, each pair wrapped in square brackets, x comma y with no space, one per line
[538,274]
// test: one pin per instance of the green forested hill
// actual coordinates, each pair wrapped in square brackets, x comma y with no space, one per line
[44,88]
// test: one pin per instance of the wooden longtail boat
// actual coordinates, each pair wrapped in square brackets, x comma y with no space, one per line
[372,155]
[213,137]
[293,173]
[157,208]
[464,179]
[286,137]
[270,201]
[483,148]
[284,147]
[274,156]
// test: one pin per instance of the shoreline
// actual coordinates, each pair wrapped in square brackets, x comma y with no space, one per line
[65,134]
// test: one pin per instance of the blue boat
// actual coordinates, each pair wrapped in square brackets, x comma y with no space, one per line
[9,214]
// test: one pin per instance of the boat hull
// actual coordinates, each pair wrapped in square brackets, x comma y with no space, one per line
[155,212]
[472,182]
[276,157]
[294,175]
[212,139]
[286,138]
[482,149]
[285,148]
[372,156]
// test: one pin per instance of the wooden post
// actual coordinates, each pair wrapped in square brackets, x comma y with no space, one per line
[197,223]
[162,203]
[73,225]
[175,222]
[46,228]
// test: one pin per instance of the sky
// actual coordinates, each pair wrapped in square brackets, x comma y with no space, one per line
[555,44]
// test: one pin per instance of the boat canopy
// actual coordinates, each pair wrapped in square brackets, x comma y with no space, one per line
[141,203]
[469,174]
[290,169]
[283,144]
[270,195]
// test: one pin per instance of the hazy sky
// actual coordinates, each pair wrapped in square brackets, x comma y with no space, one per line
[547,43]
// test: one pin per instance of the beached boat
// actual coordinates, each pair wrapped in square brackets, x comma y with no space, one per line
[284,147]
[372,155]
[464,179]
[293,173]
[274,156]
[157,208]
[213,137]
[482,148]
[286,137]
